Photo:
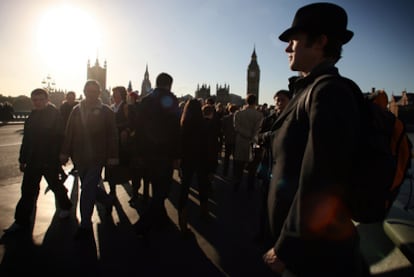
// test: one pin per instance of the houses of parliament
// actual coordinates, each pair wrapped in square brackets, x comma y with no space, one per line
[397,104]
[402,106]
[222,95]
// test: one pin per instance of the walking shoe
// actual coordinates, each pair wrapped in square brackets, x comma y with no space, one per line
[64,214]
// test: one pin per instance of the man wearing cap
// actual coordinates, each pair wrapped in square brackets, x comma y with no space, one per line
[313,149]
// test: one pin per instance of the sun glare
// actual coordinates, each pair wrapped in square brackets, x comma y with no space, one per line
[67,35]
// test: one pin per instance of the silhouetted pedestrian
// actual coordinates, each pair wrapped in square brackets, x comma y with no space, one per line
[194,159]
[91,141]
[120,173]
[39,156]
[247,124]
[158,144]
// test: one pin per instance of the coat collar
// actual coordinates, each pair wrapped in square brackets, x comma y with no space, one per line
[297,84]
[86,108]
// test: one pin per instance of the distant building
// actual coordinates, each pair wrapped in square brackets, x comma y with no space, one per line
[129,89]
[56,97]
[403,107]
[406,98]
[202,92]
[184,98]
[223,94]
[236,99]
[98,73]
[253,76]
[146,84]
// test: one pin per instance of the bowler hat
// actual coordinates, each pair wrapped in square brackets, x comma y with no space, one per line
[320,18]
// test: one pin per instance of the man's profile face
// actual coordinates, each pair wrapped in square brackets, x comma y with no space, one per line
[39,101]
[300,54]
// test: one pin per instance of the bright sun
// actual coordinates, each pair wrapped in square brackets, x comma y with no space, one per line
[67,35]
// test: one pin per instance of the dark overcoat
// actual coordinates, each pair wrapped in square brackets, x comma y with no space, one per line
[313,150]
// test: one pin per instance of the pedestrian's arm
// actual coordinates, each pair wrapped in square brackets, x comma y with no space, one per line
[274,263]
[65,151]
[112,154]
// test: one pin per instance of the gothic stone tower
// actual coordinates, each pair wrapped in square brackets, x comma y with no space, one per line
[98,73]
[146,84]
[223,94]
[203,91]
[253,76]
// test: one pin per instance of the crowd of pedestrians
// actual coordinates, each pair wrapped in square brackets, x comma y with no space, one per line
[136,141]
[285,150]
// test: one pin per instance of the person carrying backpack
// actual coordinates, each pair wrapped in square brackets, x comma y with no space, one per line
[158,146]
[314,147]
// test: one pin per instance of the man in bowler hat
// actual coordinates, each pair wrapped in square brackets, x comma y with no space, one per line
[314,146]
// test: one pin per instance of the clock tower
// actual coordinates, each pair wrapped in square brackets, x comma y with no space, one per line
[253,76]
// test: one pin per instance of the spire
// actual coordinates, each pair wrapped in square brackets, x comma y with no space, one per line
[146,74]
[97,57]
[254,57]
[146,84]
[129,86]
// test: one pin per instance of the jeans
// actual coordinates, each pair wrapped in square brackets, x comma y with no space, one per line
[90,193]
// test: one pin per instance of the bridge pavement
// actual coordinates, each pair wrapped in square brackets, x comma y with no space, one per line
[223,246]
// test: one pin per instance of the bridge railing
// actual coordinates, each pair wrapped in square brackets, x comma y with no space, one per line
[15,117]
[20,116]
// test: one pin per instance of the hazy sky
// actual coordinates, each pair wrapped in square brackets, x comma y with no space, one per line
[196,41]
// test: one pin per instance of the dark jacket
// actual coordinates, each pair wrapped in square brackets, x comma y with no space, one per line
[227,128]
[91,136]
[195,138]
[157,126]
[213,145]
[313,151]
[122,124]
[65,110]
[42,137]
[121,118]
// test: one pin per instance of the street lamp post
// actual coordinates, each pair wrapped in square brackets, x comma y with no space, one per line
[49,84]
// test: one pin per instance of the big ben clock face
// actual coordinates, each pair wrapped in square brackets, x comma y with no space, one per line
[252,74]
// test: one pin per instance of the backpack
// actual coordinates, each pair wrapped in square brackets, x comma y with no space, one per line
[157,125]
[382,159]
